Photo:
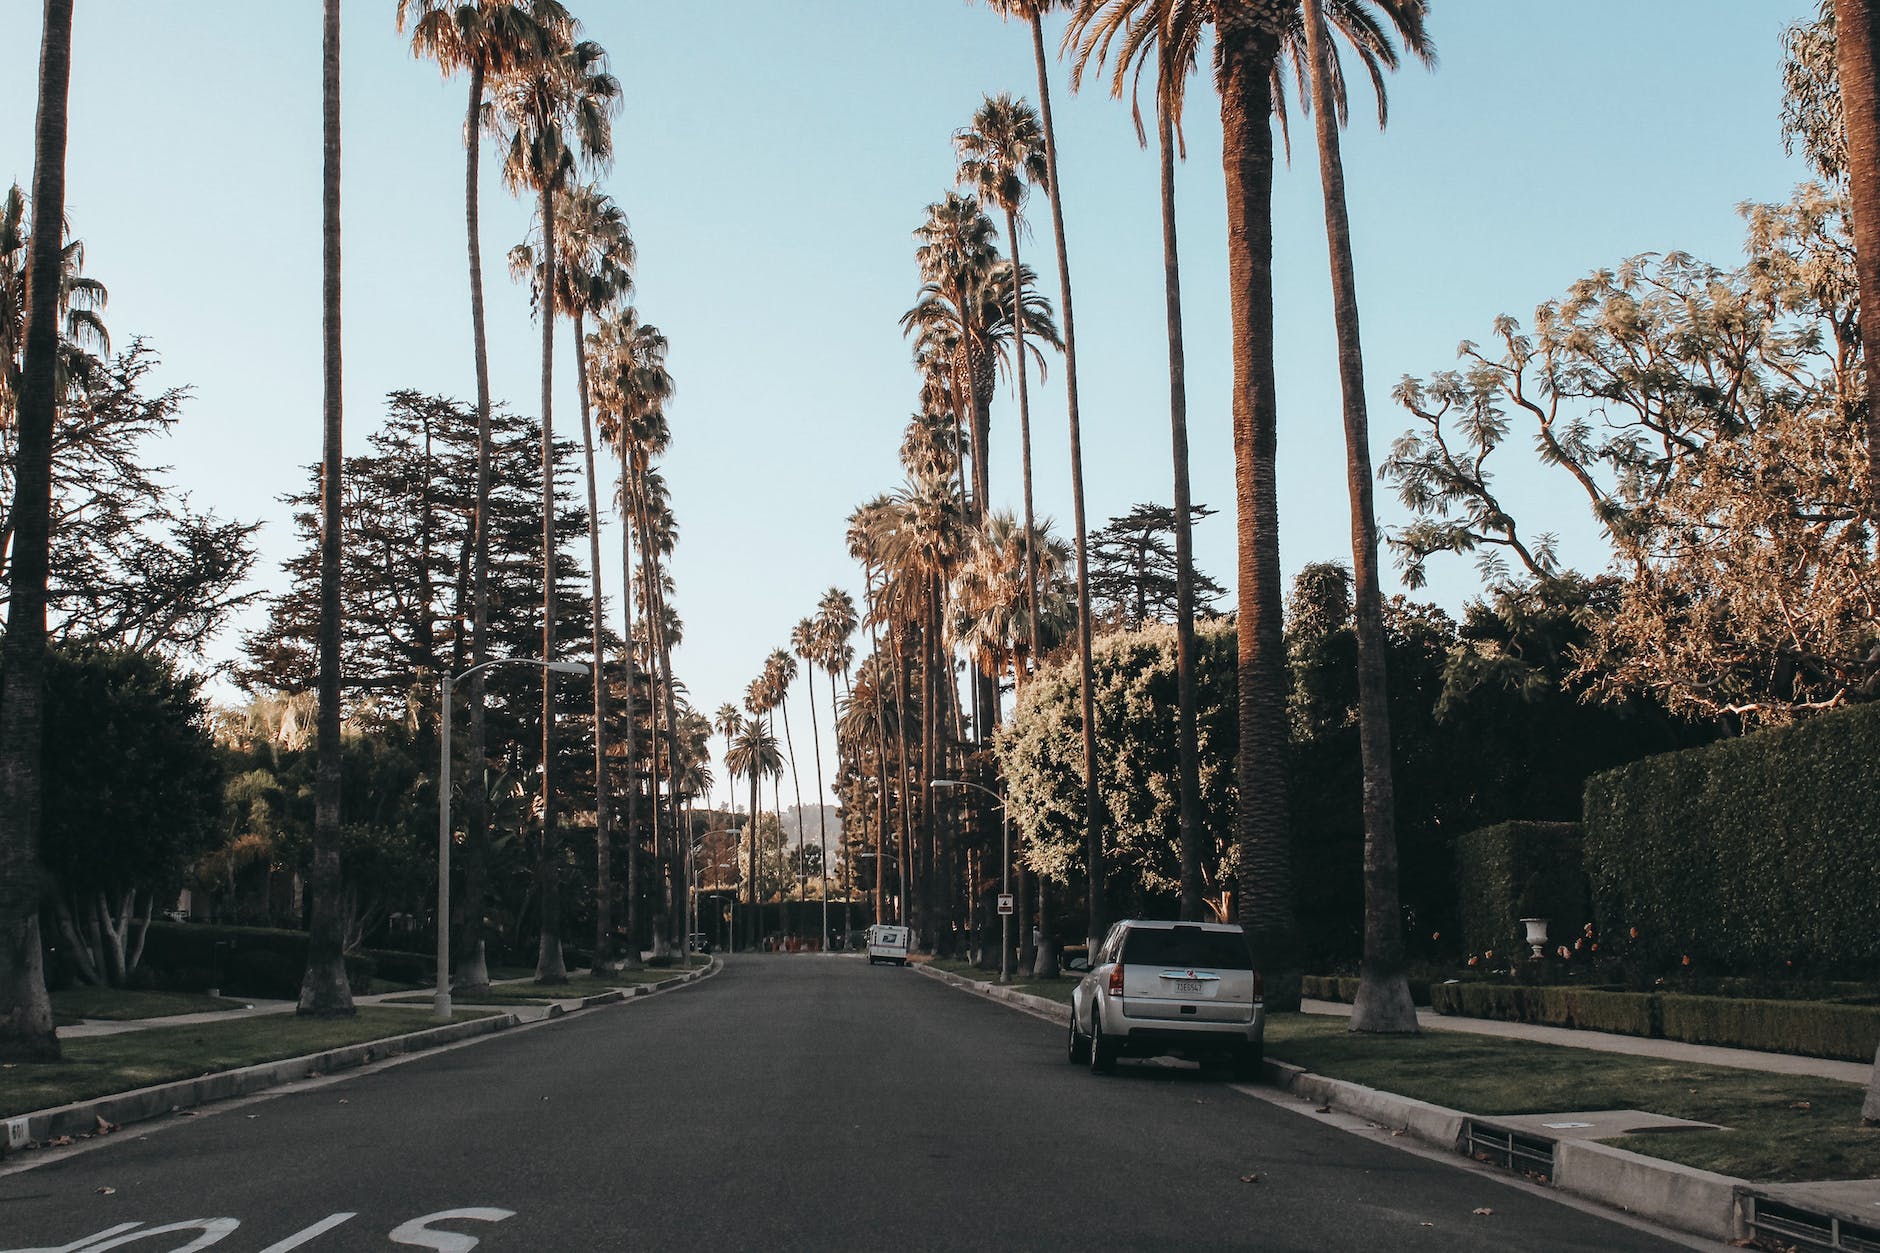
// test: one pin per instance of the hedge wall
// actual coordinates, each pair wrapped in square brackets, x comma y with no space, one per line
[1506,870]
[1755,855]
[1344,988]
[1810,1028]
[241,961]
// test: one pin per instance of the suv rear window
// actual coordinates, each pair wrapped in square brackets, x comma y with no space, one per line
[1187,947]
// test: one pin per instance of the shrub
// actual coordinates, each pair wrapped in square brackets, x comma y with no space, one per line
[1849,1032]
[1344,988]
[1516,870]
[1752,856]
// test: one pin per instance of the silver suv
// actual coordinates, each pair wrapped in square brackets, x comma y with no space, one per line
[1187,989]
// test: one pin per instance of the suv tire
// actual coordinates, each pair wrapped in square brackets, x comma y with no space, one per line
[1102,1051]
[1079,1047]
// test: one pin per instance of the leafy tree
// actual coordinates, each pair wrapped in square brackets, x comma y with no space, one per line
[133,797]
[1041,755]
[1712,420]
[132,562]
[26,1031]
[1135,569]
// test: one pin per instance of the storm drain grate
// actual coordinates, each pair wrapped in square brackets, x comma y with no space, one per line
[1511,1150]
[1811,1229]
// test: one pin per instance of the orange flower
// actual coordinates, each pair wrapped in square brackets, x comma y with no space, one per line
[1687,959]
[1488,955]
[1472,961]
[1563,951]
[1633,933]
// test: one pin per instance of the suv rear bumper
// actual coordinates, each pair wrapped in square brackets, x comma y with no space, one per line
[1147,1037]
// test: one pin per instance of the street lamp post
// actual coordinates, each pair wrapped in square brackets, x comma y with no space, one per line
[440,1000]
[1005,867]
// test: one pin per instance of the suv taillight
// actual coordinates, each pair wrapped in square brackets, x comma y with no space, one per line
[1259,987]
[1116,979]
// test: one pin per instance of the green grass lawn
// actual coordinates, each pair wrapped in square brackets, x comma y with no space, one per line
[101,1065]
[1782,1128]
[123,1004]
[1058,989]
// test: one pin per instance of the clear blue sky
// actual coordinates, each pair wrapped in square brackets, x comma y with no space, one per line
[774,157]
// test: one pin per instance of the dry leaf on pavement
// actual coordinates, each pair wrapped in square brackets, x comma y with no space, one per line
[1483,1211]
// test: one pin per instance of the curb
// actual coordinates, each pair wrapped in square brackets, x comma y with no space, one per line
[82,1118]
[1036,1006]
[1684,1198]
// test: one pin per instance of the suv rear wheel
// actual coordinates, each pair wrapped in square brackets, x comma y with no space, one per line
[1102,1051]
[1079,1047]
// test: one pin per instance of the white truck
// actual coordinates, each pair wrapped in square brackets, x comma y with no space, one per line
[887,944]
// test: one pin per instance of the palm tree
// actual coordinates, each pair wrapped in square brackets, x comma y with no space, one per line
[631,387]
[780,670]
[324,991]
[1032,12]
[1001,157]
[81,301]
[1857,65]
[491,39]
[594,275]
[1383,1001]
[835,624]
[1173,42]
[729,722]
[755,756]
[866,538]
[556,113]
[956,256]
[26,1030]
[1254,40]
[806,643]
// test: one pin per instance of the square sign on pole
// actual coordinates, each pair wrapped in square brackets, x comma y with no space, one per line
[1005,902]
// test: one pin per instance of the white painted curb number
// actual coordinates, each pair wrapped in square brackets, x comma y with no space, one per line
[418,1233]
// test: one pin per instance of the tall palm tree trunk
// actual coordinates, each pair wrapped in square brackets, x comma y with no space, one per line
[881,746]
[1383,1001]
[904,855]
[472,967]
[26,1028]
[822,816]
[548,961]
[675,852]
[796,785]
[752,923]
[1187,752]
[631,816]
[603,793]
[1093,813]
[1266,906]
[1857,62]
[324,991]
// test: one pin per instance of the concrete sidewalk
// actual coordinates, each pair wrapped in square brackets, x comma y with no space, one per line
[256,1007]
[1637,1046]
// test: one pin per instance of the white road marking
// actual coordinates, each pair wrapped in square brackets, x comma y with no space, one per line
[85,1243]
[418,1232]
[213,1231]
[303,1236]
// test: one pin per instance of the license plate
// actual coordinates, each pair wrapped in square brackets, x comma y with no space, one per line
[1188,985]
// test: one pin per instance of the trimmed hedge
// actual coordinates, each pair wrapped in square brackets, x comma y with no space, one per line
[1515,870]
[242,961]
[1849,1032]
[1589,1009]
[1810,1028]
[1344,989]
[1752,856]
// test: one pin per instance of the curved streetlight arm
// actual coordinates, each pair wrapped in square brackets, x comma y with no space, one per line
[1005,865]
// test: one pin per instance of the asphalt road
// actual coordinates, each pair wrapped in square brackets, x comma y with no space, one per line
[790,1102]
